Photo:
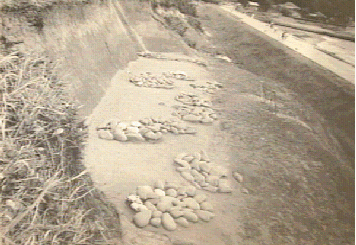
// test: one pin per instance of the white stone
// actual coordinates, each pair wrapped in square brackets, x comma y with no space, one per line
[168,222]
[141,219]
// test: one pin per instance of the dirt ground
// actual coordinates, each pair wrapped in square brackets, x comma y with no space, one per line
[280,134]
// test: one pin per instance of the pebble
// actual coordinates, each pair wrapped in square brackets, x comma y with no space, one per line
[145,192]
[171,185]
[150,135]
[174,130]
[122,125]
[138,207]
[168,222]
[136,124]
[199,178]
[205,216]
[183,169]
[182,163]
[188,158]
[132,198]
[197,156]
[156,222]
[164,206]
[224,186]
[159,184]
[212,180]
[210,188]
[106,135]
[207,120]
[206,167]
[157,214]
[144,130]
[182,222]
[206,206]
[154,201]
[190,216]
[187,175]
[172,193]
[150,206]
[141,219]
[200,198]
[134,130]
[191,118]
[135,137]
[190,203]
[191,191]
[176,213]
[119,134]
[238,177]
[160,193]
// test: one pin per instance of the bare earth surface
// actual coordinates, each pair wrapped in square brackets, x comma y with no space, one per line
[298,182]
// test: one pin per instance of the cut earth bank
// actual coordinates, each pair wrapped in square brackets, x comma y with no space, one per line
[292,194]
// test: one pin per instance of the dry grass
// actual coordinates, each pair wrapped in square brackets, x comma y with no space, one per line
[46,195]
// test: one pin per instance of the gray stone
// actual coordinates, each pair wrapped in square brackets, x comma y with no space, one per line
[191,191]
[190,216]
[200,198]
[156,222]
[171,193]
[159,184]
[205,167]
[106,135]
[190,203]
[182,222]
[207,206]
[210,188]
[176,213]
[141,219]
[238,177]
[168,222]
[157,214]
[150,206]
[119,134]
[205,216]
[212,180]
[187,175]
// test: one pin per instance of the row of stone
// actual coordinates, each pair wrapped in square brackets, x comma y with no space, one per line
[193,100]
[148,129]
[169,205]
[199,171]
[209,88]
[203,115]
[165,80]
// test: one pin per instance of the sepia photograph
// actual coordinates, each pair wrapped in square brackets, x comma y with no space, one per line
[177,122]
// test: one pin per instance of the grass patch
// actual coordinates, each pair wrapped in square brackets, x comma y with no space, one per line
[46,195]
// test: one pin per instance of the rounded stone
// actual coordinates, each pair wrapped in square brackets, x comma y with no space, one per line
[136,124]
[138,207]
[156,222]
[224,186]
[160,193]
[154,201]
[134,130]
[212,180]
[150,135]
[141,219]
[145,192]
[106,135]
[198,177]
[210,188]
[164,206]
[172,193]
[190,203]
[119,134]
[181,163]
[190,216]
[182,222]
[187,175]
[200,198]
[159,184]
[144,130]
[134,137]
[176,213]
[238,177]
[156,214]
[168,222]
[171,185]
[191,191]
[122,125]
[205,167]
[207,206]
[150,206]
[183,169]
[205,216]
[208,120]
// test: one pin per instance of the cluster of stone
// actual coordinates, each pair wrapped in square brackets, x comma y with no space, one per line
[210,88]
[150,80]
[168,205]
[148,129]
[203,115]
[199,171]
[193,100]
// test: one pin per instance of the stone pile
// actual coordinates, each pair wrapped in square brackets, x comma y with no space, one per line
[168,205]
[193,100]
[148,129]
[197,169]
[152,81]
[203,115]
[210,88]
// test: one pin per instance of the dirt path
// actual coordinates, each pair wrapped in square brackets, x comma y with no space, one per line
[338,67]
